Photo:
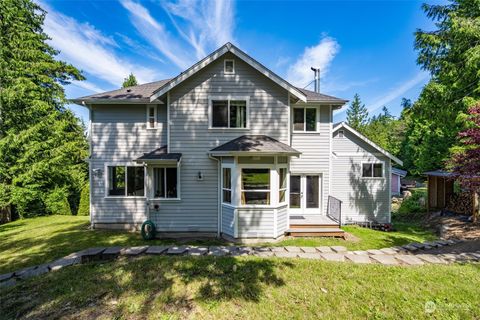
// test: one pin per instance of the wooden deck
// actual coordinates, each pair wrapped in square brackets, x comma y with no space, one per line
[314,226]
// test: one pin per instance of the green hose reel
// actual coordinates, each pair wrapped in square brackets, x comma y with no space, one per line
[148,230]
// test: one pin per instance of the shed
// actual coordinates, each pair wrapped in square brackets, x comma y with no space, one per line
[439,188]
[397,175]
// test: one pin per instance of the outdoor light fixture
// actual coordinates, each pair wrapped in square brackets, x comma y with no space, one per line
[200,175]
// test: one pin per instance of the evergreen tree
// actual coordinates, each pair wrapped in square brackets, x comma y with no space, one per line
[42,144]
[129,81]
[450,54]
[357,114]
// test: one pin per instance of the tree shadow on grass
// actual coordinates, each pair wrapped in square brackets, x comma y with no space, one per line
[137,288]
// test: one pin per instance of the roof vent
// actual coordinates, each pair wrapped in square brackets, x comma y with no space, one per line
[129,90]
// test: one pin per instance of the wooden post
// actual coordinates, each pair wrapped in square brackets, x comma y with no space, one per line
[428,195]
[475,206]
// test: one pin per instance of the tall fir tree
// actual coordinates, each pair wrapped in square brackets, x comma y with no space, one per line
[42,144]
[129,81]
[357,114]
[450,54]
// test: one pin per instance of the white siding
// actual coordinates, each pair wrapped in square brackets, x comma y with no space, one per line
[363,199]
[282,220]
[315,148]
[119,135]
[255,223]
[190,135]
[228,220]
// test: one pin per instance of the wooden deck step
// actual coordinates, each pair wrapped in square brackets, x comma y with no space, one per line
[314,226]
[316,232]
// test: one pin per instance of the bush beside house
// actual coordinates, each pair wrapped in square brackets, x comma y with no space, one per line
[84,207]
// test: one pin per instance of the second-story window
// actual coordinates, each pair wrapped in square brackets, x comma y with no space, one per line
[229,114]
[151,117]
[305,119]
[229,66]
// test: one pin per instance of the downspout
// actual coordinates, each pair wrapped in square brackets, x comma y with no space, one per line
[219,215]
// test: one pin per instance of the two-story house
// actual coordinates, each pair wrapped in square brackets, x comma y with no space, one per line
[228,148]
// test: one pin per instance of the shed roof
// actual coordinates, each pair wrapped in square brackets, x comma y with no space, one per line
[160,154]
[399,172]
[255,144]
[439,173]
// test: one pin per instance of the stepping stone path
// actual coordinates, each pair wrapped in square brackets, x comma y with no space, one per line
[413,254]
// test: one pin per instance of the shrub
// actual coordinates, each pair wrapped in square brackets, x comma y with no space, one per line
[412,207]
[56,202]
[84,206]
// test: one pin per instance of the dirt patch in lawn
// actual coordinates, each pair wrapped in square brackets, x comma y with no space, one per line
[466,246]
[455,227]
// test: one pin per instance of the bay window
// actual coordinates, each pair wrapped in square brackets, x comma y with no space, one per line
[227,185]
[226,113]
[255,186]
[126,181]
[165,183]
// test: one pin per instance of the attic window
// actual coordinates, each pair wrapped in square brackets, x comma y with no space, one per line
[341,134]
[229,66]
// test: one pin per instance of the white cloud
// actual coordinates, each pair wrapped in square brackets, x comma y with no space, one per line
[204,24]
[88,49]
[88,86]
[318,56]
[398,91]
[156,34]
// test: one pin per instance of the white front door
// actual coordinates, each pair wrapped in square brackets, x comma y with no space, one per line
[305,195]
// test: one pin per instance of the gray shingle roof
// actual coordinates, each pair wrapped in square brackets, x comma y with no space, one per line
[315,96]
[160,154]
[140,93]
[399,172]
[255,143]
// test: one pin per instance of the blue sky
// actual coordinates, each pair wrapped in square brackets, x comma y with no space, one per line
[361,47]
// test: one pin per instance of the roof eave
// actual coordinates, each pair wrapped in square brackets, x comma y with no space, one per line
[83,102]
[251,153]
[214,56]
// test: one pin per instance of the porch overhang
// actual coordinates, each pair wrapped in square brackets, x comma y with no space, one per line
[160,156]
[253,145]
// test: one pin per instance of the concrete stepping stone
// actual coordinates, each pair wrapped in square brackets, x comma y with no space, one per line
[263,254]
[418,245]
[360,252]
[218,251]
[388,251]
[430,258]
[23,271]
[358,258]
[63,262]
[6,276]
[287,254]
[309,249]
[34,271]
[156,250]
[333,256]
[8,283]
[410,247]
[443,242]
[242,251]
[293,249]
[339,249]
[385,259]
[197,251]
[111,252]
[278,249]
[133,251]
[262,249]
[176,250]
[375,251]
[309,255]
[324,249]
[409,260]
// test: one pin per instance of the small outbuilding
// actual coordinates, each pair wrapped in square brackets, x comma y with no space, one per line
[397,175]
[439,188]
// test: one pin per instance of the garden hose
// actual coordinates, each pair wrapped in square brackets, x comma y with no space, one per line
[148,230]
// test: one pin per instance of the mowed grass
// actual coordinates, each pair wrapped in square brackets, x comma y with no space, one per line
[40,240]
[160,287]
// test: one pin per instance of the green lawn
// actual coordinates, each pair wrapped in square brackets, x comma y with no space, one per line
[38,240]
[159,287]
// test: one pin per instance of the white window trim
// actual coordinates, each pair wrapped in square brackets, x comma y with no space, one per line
[372,163]
[225,66]
[155,114]
[152,191]
[123,164]
[280,166]
[317,115]
[228,98]
[232,168]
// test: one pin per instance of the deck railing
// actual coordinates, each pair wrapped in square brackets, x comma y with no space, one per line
[334,211]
